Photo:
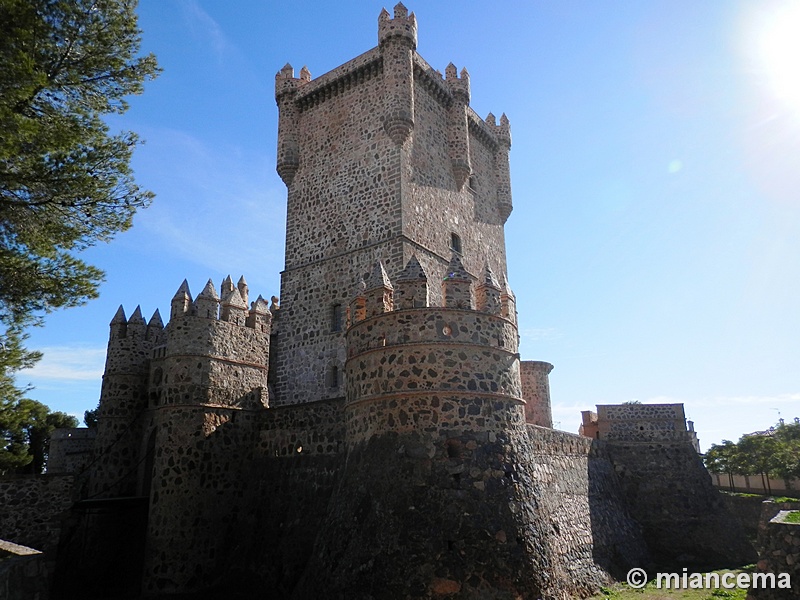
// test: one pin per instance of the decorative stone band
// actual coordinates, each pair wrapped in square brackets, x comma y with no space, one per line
[432,324]
[223,359]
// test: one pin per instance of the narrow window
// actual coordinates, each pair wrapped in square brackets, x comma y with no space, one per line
[337,317]
[455,243]
[333,376]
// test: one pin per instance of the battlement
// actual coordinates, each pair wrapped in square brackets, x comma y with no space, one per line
[379,294]
[230,305]
[402,28]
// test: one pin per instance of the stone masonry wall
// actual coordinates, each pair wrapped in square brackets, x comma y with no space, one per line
[374,154]
[779,556]
[536,392]
[305,344]
[70,450]
[642,422]
[32,507]
[683,517]
[587,520]
[747,510]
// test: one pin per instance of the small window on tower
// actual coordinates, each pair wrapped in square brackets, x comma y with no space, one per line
[337,317]
[455,243]
[333,376]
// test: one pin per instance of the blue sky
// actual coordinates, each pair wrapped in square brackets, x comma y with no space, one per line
[654,243]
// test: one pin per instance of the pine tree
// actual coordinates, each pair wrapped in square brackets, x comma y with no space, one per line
[65,180]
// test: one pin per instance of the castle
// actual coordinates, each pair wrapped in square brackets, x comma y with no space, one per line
[376,435]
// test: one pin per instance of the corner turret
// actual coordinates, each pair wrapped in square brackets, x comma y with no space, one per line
[397,40]
[244,290]
[503,173]
[458,130]
[286,87]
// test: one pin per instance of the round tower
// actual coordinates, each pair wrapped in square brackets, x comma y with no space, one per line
[437,476]
[208,387]
[123,403]
[536,392]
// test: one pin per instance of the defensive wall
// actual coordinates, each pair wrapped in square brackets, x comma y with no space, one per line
[670,494]
[33,506]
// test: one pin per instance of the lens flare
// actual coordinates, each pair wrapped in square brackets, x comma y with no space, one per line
[779,52]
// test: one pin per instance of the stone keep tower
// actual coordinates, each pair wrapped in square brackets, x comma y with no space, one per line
[383,159]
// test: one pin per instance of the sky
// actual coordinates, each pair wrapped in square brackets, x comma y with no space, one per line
[654,246]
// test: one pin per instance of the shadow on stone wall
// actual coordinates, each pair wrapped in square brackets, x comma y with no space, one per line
[618,543]
[684,519]
[101,551]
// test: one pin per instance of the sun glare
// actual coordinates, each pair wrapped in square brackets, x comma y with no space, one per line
[779,50]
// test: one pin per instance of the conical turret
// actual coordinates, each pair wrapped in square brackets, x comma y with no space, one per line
[137,326]
[457,285]
[154,326]
[244,290]
[234,308]
[207,302]
[488,292]
[226,287]
[259,317]
[119,324]
[411,286]
[379,292]
[181,302]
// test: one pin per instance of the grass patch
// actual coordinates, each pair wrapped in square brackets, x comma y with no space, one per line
[785,499]
[792,517]
[622,591]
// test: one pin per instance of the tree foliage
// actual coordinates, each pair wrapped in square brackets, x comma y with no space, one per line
[25,428]
[775,453]
[65,180]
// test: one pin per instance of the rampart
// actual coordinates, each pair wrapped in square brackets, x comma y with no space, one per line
[32,507]
[70,450]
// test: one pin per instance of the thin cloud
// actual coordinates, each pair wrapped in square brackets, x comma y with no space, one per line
[66,363]
[216,206]
[205,27]
[544,334]
[728,401]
